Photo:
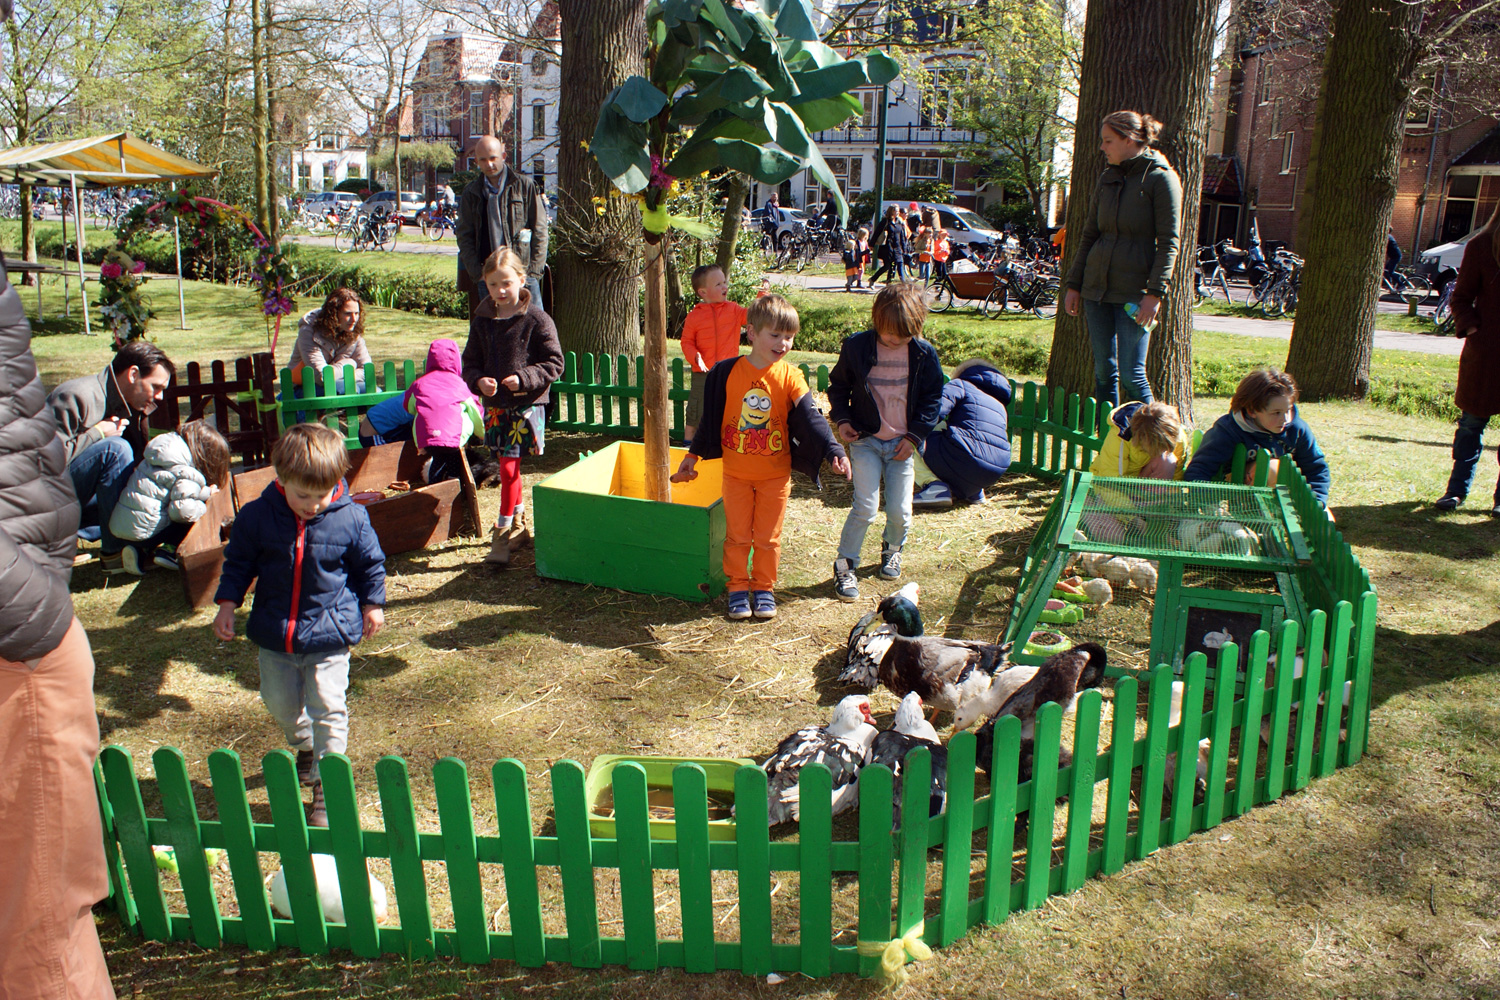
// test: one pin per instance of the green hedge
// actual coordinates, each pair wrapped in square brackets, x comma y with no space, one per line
[416,289]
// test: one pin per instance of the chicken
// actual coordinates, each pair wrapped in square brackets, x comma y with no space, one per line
[326,873]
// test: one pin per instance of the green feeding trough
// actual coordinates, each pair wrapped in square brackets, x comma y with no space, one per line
[1191,567]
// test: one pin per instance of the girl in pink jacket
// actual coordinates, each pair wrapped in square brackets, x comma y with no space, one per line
[446,412]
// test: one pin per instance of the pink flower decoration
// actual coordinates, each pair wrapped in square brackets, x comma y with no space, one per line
[111,271]
[659,177]
[140,266]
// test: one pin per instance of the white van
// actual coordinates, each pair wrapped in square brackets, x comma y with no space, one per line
[963,225]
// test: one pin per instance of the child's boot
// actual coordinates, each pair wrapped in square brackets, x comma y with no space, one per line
[499,547]
[318,814]
[520,535]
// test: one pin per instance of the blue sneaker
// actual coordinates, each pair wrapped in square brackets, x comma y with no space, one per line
[933,496]
[739,604]
[976,498]
[765,604]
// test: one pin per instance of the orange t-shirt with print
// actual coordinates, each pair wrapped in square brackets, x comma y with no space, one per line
[754,432]
[712,329]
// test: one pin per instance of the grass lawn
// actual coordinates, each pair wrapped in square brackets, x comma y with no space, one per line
[1399,322]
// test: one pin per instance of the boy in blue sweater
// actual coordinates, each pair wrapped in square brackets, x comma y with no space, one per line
[1262,414]
[321,587]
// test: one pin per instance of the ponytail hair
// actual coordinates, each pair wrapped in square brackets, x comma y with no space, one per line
[1135,126]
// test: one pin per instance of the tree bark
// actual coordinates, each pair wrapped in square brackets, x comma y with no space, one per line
[1351,187]
[258,114]
[656,410]
[729,231]
[596,255]
[273,200]
[1156,57]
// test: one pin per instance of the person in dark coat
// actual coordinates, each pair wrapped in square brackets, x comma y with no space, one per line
[500,208]
[1476,318]
[892,244]
[969,449]
[51,839]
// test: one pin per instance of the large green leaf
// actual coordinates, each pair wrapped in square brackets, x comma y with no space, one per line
[827,112]
[795,20]
[788,131]
[880,67]
[619,145]
[810,55]
[832,80]
[769,166]
[637,99]
[728,22]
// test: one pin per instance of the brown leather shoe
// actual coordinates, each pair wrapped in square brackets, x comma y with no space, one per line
[499,547]
[520,536]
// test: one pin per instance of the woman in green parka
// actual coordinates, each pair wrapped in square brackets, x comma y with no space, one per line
[1125,254]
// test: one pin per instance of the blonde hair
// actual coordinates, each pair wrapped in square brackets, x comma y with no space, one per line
[310,456]
[899,310]
[864,231]
[1156,427]
[774,313]
[1134,125]
[209,450]
[507,259]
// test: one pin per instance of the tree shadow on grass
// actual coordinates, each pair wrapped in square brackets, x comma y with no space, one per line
[1414,526]
[1406,661]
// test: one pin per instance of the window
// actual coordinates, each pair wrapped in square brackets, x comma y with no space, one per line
[1286,152]
[327,140]
[469,163]
[923,168]
[432,114]
[856,175]
[538,65]
[538,120]
[867,99]
[1263,83]
[356,169]
[435,62]
[813,196]
[1275,118]
[477,124]
[1458,212]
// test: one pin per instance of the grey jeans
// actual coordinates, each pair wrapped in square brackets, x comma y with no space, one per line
[307,693]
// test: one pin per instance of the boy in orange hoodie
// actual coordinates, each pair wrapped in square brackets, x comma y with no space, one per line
[710,334]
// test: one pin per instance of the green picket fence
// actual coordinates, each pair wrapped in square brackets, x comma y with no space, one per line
[999,852]
[322,402]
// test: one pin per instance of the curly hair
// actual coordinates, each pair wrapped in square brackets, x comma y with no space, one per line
[326,322]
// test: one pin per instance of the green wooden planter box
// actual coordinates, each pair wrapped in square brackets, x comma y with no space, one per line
[593,525]
[659,771]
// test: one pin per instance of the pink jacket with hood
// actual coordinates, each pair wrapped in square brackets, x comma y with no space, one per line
[446,411]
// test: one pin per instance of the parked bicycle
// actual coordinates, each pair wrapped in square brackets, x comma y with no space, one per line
[375,231]
[1277,291]
[1405,284]
[1209,281]
[438,221]
[1024,285]
[1442,316]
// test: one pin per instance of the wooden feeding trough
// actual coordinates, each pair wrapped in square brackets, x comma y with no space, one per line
[594,525]
[404,519]
[660,801]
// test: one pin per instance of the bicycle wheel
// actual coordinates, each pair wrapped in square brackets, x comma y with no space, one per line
[343,240]
[1200,293]
[1272,303]
[942,297]
[994,303]
[1417,289]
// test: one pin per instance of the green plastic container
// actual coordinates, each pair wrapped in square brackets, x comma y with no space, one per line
[720,780]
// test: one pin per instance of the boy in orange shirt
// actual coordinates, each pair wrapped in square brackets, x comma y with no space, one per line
[758,416]
[710,334]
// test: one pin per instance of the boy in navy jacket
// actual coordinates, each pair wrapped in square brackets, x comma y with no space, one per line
[884,395]
[1262,415]
[321,586]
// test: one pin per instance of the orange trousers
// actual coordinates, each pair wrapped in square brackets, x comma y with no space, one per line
[51,839]
[753,512]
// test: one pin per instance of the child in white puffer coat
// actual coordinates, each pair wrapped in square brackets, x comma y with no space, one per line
[168,490]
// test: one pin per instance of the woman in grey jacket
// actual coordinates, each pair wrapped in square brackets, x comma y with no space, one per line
[1126,254]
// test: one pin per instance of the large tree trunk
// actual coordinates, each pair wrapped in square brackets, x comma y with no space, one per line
[1153,56]
[596,259]
[1351,187]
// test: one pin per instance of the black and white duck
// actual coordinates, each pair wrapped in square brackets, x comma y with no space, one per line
[909,732]
[842,746]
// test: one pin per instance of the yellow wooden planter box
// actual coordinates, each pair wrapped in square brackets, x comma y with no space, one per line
[593,525]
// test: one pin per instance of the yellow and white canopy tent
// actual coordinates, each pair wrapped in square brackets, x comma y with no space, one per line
[118,159]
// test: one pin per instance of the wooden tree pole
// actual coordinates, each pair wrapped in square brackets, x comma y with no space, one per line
[656,408]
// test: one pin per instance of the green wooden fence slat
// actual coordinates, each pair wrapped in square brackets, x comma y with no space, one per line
[1027,423]
[1058,411]
[753,836]
[1185,783]
[958,836]
[1081,789]
[285,794]
[1154,766]
[1255,693]
[119,888]
[1039,824]
[1307,700]
[915,833]
[1281,706]
[1333,708]
[238,831]
[695,879]
[1121,766]
[349,853]
[450,779]
[518,854]
[1000,843]
[1072,449]
[637,892]
[187,842]
[876,861]
[135,844]
[1359,704]
[407,875]
[1225,676]
[815,863]
[576,863]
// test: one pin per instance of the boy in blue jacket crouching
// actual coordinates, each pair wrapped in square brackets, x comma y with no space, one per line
[1262,415]
[321,587]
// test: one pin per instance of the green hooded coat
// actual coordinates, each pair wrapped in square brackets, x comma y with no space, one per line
[1129,245]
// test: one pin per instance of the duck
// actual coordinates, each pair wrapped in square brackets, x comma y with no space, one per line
[326,873]
[910,731]
[843,746]
[946,673]
[1060,677]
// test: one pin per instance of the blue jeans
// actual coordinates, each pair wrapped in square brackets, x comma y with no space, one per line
[873,460]
[1468,444]
[1110,330]
[100,473]
[307,693]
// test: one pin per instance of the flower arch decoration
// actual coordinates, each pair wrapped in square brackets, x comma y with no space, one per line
[272,273]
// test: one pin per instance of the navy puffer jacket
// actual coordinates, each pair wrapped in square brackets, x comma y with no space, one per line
[314,576]
[971,451]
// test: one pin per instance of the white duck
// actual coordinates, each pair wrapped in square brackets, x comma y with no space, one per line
[842,746]
[325,871]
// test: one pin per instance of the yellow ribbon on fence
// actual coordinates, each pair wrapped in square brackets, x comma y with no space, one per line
[893,954]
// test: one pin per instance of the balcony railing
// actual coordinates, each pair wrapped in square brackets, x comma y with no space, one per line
[904,134]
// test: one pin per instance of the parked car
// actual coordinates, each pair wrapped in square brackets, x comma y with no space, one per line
[963,225]
[333,199]
[792,221]
[410,204]
[1447,255]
